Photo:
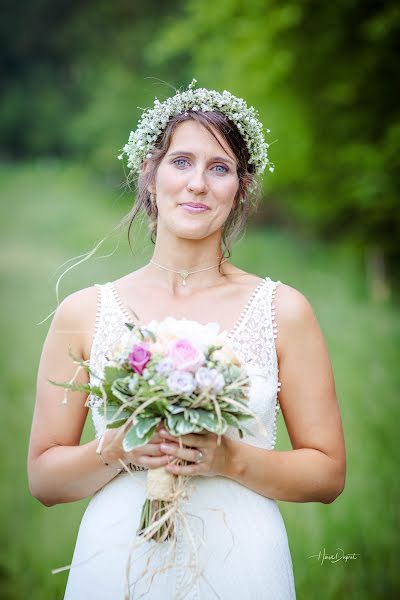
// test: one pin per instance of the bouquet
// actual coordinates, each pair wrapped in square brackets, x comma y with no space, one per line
[176,372]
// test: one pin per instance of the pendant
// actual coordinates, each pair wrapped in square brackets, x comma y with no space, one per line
[184,274]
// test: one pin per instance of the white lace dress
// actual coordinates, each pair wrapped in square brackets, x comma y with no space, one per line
[245,553]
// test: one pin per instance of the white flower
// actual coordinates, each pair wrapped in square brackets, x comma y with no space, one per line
[164,366]
[154,120]
[199,335]
[181,382]
[226,356]
[210,379]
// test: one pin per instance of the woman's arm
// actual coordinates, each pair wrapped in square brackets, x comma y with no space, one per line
[59,469]
[314,471]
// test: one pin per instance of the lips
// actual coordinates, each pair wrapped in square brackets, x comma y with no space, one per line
[194,204]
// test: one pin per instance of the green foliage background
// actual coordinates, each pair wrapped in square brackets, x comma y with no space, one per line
[323,77]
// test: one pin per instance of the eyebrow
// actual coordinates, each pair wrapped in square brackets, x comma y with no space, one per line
[221,158]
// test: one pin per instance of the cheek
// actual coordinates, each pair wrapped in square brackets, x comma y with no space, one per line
[228,191]
[168,178]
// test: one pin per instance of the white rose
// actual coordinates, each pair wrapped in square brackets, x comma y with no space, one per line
[226,356]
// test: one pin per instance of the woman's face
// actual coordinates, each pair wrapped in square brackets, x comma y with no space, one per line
[195,170]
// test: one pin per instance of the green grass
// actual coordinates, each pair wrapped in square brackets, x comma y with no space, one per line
[52,212]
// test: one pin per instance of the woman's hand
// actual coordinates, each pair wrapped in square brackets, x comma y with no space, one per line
[214,458]
[149,455]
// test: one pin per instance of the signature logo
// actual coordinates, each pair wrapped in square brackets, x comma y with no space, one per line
[339,555]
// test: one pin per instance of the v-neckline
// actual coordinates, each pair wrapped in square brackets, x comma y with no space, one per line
[229,334]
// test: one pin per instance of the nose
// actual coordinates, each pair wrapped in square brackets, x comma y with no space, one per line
[197,182]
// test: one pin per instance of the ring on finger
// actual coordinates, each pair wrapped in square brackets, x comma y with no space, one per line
[200,457]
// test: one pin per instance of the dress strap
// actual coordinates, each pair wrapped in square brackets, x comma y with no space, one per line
[274,285]
[254,339]
[105,326]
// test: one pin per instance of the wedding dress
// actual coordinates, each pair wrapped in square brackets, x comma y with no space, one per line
[244,553]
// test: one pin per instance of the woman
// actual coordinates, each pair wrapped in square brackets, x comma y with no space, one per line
[198,156]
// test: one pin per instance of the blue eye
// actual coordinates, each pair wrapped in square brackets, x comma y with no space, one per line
[225,169]
[179,160]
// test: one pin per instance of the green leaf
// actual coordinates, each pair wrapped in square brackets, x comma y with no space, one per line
[121,389]
[209,421]
[160,406]
[143,425]
[175,408]
[74,387]
[112,373]
[178,425]
[193,415]
[132,440]
[231,420]
[96,391]
[115,417]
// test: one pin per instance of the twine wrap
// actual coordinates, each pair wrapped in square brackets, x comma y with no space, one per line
[159,484]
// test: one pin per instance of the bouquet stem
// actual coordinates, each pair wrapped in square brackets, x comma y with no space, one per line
[160,498]
[153,511]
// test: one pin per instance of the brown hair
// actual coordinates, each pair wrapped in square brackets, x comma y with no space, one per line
[248,188]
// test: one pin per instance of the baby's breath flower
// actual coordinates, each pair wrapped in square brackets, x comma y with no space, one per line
[154,120]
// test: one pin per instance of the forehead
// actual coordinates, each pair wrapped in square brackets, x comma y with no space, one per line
[194,137]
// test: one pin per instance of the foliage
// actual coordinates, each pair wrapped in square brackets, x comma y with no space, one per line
[323,75]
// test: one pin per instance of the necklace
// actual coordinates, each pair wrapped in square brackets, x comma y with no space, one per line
[183,273]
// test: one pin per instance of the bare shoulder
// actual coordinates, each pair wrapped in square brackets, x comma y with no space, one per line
[76,316]
[292,305]
[295,316]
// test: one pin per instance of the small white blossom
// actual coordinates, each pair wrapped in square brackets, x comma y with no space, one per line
[181,382]
[154,120]
[210,378]
[165,366]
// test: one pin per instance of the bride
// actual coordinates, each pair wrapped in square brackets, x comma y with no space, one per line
[197,158]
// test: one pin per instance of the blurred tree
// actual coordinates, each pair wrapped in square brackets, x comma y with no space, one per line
[323,76]
[325,80]
[70,73]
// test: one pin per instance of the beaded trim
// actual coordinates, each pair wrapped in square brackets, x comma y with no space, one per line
[92,400]
[98,308]
[246,308]
[118,300]
[279,384]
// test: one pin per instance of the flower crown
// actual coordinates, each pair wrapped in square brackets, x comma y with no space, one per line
[154,120]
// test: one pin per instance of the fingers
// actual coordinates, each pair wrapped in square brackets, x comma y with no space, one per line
[152,450]
[189,454]
[146,450]
[156,439]
[183,469]
[190,439]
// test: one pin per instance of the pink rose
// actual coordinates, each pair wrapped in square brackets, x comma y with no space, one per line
[139,357]
[185,356]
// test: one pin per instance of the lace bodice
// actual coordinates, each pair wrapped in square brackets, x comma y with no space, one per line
[252,338]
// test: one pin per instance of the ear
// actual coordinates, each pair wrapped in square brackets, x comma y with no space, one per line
[151,189]
[145,167]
